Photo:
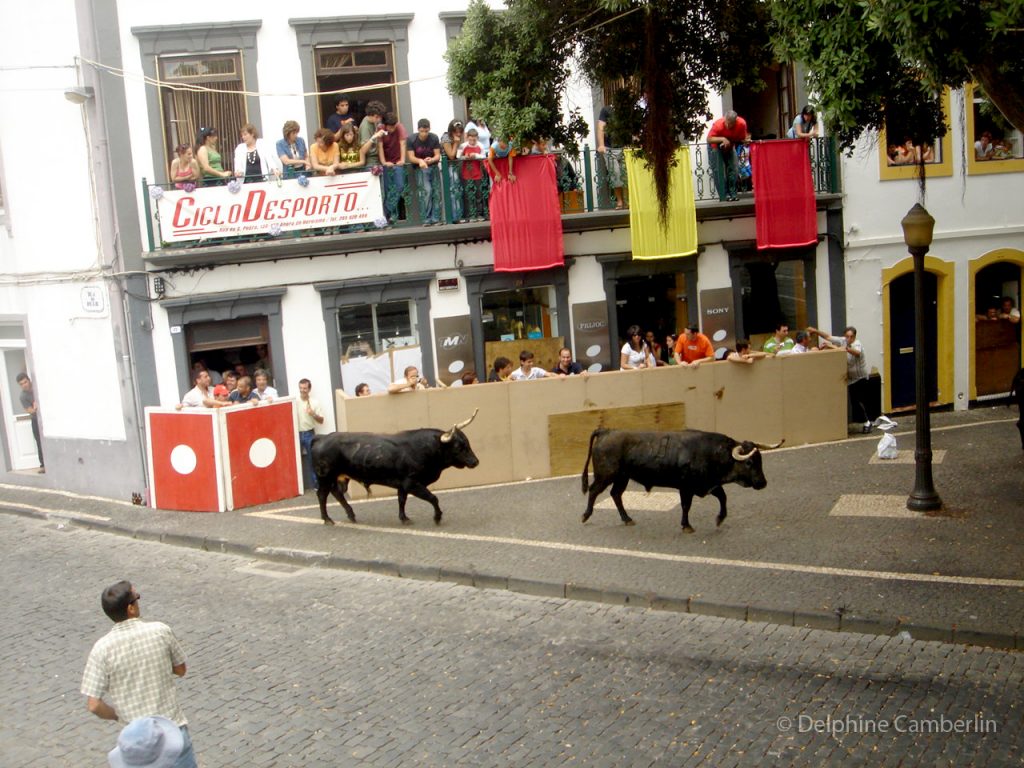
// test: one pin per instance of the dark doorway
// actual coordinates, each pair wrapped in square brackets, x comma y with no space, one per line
[648,301]
[997,353]
[902,346]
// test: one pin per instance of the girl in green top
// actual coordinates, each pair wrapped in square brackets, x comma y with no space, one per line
[209,158]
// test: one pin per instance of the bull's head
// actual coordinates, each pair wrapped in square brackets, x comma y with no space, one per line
[458,446]
[748,471]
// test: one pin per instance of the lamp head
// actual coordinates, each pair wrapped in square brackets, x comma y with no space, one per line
[79,94]
[917,227]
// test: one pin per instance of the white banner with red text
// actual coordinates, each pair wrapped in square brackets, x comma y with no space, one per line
[269,208]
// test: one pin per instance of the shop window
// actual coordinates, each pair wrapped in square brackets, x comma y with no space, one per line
[186,111]
[524,313]
[773,293]
[378,341]
[898,154]
[353,69]
[224,344]
[995,146]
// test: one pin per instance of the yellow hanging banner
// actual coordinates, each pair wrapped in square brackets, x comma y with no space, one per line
[648,238]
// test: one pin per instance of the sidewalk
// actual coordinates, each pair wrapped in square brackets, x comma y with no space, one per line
[828,544]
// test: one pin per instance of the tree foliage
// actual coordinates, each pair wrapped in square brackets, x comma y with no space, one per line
[873,61]
[869,62]
[665,55]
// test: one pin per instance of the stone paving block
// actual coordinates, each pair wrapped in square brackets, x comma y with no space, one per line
[924,632]
[989,639]
[868,625]
[420,572]
[814,620]
[536,588]
[770,615]
[712,608]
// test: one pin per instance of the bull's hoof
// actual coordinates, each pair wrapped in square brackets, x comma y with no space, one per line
[629,522]
[328,521]
[687,529]
[407,521]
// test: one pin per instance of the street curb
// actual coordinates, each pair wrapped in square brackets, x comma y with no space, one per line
[832,622]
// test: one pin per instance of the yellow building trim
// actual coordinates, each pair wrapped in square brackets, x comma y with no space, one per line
[888,172]
[974,266]
[983,167]
[944,273]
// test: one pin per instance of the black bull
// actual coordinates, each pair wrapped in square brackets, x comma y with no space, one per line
[693,462]
[408,461]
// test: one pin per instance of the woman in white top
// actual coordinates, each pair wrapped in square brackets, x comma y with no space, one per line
[255,160]
[635,352]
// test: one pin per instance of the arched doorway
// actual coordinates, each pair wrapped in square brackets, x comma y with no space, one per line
[996,351]
[903,347]
[898,332]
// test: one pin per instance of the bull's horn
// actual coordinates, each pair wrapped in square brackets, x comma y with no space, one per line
[770,447]
[739,455]
[467,422]
[447,436]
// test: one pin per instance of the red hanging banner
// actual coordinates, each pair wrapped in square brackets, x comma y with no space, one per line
[784,207]
[526,218]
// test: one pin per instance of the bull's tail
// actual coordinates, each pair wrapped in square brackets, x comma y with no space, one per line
[590,449]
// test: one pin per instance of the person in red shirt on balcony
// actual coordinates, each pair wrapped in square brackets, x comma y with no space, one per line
[726,133]
[693,347]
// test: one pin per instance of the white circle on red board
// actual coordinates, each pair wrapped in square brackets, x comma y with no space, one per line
[262,453]
[183,460]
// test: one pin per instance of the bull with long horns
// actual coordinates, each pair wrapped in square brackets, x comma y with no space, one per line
[407,461]
[693,462]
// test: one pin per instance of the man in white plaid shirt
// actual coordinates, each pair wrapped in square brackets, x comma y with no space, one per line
[134,666]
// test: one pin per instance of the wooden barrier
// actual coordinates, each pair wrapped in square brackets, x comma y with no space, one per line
[799,398]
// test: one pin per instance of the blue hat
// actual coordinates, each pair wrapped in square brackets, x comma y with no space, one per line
[148,742]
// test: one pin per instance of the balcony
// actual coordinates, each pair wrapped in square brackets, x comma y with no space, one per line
[587,200]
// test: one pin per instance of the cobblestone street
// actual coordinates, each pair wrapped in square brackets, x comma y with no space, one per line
[307,667]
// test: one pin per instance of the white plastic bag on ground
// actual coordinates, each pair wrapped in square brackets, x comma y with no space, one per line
[884,423]
[887,447]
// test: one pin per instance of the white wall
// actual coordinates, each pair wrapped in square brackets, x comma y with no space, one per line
[53,250]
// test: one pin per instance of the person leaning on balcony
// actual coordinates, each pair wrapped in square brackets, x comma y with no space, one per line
[693,347]
[609,159]
[254,159]
[371,124]
[292,152]
[391,150]
[324,154]
[351,151]
[635,353]
[184,168]
[726,133]
[209,158]
[805,126]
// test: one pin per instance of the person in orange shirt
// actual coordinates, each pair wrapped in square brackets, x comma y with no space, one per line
[693,347]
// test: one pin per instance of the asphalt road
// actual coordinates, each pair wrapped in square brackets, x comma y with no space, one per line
[293,666]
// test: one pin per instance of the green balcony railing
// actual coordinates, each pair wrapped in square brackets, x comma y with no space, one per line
[458,192]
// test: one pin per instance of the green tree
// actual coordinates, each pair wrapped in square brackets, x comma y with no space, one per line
[870,61]
[665,54]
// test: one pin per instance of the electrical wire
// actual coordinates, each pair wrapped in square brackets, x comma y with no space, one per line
[174,86]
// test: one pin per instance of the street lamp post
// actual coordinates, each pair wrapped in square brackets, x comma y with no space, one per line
[917,234]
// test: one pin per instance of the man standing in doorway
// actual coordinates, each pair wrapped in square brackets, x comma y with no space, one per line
[310,415]
[31,406]
[130,671]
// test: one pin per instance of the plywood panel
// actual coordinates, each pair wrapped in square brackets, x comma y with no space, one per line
[530,402]
[569,433]
[545,352]
[748,399]
[814,396]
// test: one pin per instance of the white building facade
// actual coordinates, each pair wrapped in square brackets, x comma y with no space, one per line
[84,314]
